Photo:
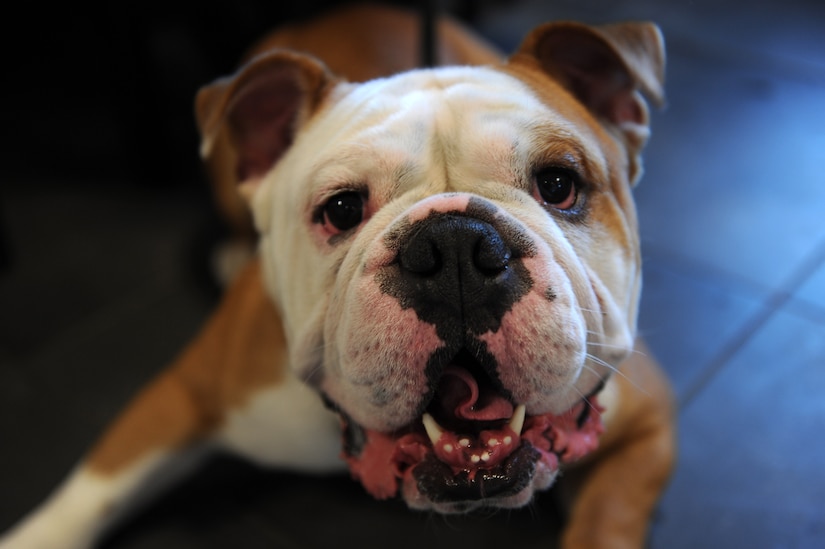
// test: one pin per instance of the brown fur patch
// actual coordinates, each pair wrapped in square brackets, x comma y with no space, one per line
[617,213]
[241,351]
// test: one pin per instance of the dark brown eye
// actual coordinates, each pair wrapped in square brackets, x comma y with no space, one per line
[344,211]
[557,188]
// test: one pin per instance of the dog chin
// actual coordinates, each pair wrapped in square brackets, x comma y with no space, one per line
[543,479]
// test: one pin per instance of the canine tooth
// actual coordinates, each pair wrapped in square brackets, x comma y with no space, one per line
[517,421]
[432,428]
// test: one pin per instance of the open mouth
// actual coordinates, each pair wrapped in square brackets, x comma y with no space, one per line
[471,444]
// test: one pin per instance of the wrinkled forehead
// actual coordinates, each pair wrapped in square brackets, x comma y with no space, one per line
[449,115]
[442,91]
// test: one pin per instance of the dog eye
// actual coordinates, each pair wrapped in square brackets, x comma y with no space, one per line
[344,211]
[557,187]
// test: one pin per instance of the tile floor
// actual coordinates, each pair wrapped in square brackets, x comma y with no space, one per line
[100,294]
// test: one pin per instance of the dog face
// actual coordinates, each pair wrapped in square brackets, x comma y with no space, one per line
[453,251]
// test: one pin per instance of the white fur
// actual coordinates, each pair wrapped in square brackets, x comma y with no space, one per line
[81,508]
[286,426]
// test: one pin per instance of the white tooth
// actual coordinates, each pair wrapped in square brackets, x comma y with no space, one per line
[464,442]
[508,439]
[492,442]
[517,421]
[432,428]
[475,459]
[485,456]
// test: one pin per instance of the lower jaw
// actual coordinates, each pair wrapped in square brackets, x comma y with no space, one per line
[418,502]
[542,477]
[437,480]
[386,464]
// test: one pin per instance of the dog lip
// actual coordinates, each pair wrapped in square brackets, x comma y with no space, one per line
[441,484]
[498,465]
[385,461]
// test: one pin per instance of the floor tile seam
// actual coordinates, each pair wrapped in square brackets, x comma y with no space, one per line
[806,309]
[778,300]
[729,350]
[706,273]
[808,269]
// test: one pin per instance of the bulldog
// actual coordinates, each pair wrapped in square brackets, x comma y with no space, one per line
[445,296]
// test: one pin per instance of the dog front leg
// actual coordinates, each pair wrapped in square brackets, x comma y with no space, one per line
[611,498]
[154,438]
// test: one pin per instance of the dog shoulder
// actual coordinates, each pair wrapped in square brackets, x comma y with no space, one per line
[241,350]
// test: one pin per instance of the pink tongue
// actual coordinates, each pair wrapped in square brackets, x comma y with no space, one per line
[459,401]
[461,398]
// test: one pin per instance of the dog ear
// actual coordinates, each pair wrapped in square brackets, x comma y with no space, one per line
[257,112]
[605,68]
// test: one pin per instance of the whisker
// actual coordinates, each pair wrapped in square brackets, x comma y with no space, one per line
[631,351]
[318,349]
[612,368]
[600,361]
[577,390]
[611,346]
[584,396]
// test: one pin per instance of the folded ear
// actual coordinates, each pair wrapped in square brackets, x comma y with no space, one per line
[605,68]
[257,111]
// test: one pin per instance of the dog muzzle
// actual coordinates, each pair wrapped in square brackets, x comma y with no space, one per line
[471,448]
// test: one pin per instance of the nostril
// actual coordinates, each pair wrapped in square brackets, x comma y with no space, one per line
[421,257]
[491,255]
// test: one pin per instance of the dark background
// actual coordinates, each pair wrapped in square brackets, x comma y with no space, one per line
[89,91]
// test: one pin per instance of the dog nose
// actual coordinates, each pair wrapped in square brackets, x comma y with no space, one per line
[455,261]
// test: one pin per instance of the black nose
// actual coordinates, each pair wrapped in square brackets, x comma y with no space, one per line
[457,268]
[453,248]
